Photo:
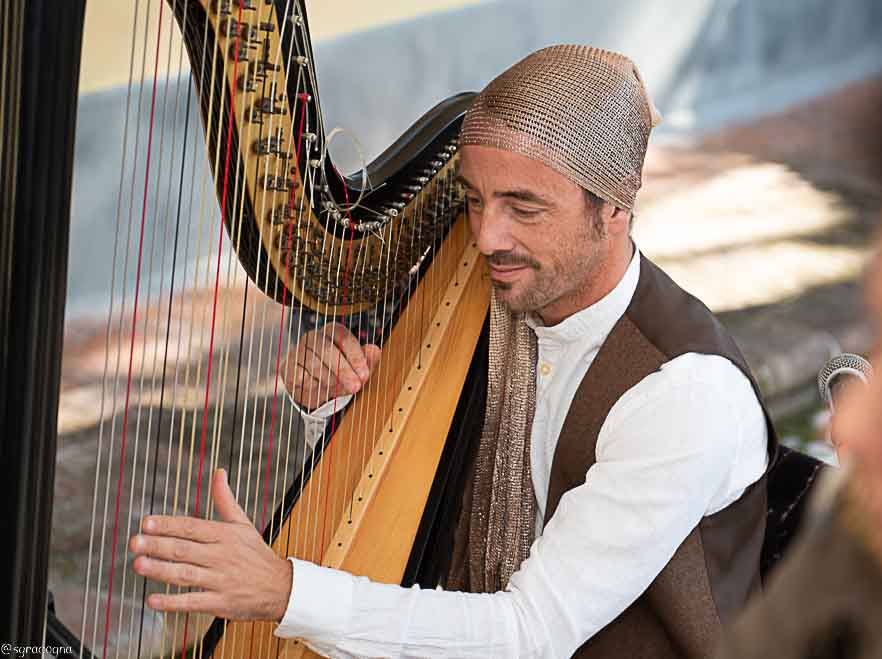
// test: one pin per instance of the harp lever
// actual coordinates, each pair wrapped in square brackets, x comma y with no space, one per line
[272,146]
[226,6]
[278,183]
[244,31]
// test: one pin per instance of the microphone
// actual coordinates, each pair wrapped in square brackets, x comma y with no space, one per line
[841,370]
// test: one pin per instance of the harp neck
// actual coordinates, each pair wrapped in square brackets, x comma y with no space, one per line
[253,62]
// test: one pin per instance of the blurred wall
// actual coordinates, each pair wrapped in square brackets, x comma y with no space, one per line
[706,62]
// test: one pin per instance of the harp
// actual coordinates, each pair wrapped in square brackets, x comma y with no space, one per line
[386,250]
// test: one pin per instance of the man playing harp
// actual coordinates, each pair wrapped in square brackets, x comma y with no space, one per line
[616,503]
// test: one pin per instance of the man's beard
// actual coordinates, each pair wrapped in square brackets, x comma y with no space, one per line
[551,282]
[528,299]
[531,299]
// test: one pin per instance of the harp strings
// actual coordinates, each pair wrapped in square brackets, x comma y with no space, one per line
[265,326]
[168,322]
[107,353]
[119,347]
[112,569]
[160,223]
[213,331]
[263,422]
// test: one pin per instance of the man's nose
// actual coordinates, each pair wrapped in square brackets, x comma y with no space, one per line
[491,233]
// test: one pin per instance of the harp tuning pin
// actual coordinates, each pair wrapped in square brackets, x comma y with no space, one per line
[254,116]
[391,212]
[422,180]
[247,83]
[436,164]
[281,214]
[239,49]
[244,31]
[269,146]
[302,60]
[412,188]
[278,183]
[261,67]
[224,7]
[399,205]
[444,156]
[266,105]
[315,163]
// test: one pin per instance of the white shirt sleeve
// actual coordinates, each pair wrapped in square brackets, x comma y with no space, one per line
[666,456]
[314,422]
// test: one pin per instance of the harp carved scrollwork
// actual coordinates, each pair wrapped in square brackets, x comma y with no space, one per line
[389,243]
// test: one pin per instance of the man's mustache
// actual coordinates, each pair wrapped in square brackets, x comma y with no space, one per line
[502,259]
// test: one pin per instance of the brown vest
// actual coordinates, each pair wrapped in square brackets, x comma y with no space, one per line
[717,568]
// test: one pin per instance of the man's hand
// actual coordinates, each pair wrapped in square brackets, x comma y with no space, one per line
[233,572]
[327,363]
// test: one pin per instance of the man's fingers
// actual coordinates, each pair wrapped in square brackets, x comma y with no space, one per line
[225,501]
[299,378]
[178,574]
[351,349]
[172,549]
[329,366]
[188,528]
[373,354]
[326,363]
[196,602]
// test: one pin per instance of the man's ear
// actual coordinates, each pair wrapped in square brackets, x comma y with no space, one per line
[616,220]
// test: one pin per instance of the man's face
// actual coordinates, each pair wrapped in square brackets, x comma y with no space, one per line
[533,225]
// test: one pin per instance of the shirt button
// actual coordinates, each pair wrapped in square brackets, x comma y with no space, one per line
[545,369]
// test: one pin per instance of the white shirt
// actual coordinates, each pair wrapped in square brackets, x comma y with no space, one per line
[683,443]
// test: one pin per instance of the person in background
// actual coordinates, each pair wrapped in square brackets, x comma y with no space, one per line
[825,600]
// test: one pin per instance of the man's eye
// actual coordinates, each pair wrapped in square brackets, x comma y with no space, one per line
[473,202]
[525,212]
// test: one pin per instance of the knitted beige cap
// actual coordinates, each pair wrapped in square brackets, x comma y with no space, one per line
[582,111]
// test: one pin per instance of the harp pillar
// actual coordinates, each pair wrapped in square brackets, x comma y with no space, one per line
[40,61]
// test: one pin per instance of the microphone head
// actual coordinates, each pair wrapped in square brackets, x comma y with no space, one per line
[845,364]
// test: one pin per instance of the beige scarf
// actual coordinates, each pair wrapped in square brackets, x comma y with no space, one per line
[498,518]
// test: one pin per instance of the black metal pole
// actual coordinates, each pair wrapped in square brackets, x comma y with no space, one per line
[40,62]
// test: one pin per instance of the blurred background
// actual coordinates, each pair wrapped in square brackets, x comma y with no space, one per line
[762,188]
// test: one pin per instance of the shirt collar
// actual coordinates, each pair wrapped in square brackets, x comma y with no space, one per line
[592,324]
